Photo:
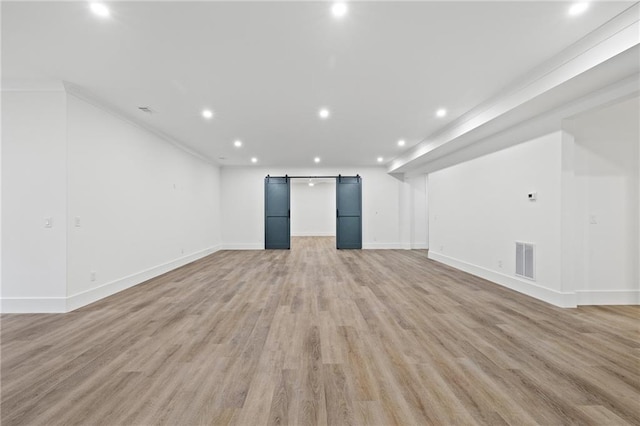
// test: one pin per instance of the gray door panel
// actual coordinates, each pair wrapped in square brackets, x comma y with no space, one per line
[277,228]
[349,212]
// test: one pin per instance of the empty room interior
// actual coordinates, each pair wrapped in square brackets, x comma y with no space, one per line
[320,213]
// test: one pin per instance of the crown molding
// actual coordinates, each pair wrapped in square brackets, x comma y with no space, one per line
[615,37]
[87,96]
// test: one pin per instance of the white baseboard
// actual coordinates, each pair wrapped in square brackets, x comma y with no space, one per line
[314,234]
[68,304]
[608,297]
[419,246]
[365,245]
[86,297]
[383,246]
[30,305]
[243,246]
[557,298]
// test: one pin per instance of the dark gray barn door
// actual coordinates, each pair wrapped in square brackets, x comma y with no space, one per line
[276,213]
[349,212]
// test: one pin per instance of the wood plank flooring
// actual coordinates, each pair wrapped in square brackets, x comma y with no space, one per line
[321,337]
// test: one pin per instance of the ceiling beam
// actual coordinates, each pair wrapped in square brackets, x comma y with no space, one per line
[611,39]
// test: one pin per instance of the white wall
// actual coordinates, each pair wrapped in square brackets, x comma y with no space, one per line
[243,204]
[607,220]
[313,208]
[479,209]
[144,205]
[585,224]
[419,212]
[34,182]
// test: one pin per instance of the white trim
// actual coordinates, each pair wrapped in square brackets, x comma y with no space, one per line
[365,246]
[16,85]
[383,246]
[557,298]
[608,297]
[86,297]
[68,304]
[314,234]
[243,246]
[419,246]
[29,305]
[614,37]
[90,98]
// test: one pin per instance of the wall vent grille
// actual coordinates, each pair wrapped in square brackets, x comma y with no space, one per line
[525,260]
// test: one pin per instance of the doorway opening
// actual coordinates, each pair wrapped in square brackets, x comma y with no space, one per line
[313,210]
[345,209]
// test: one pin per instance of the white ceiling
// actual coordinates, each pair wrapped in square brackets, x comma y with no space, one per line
[266,68]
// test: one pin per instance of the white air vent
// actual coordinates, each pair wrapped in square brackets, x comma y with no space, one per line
[525,260]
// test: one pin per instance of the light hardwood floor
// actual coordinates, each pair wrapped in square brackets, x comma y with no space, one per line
[320,336]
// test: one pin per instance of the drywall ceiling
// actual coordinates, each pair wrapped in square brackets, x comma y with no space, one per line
[266,68]
[611,81]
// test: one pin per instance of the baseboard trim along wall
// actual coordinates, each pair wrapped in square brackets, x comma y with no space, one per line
[608,297]
[243,246]
[30,305]
[383,246]
[561,299]
[82,299]
[68,304]
[365,246]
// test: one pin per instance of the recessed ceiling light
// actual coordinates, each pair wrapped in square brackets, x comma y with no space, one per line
[207,113]
[311,183]
[339,9]
[441,112]
[100,9]
[316,160]
[380,159]
[324,113]
[254,160]
[401,142]
[578,8]
[237,143]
